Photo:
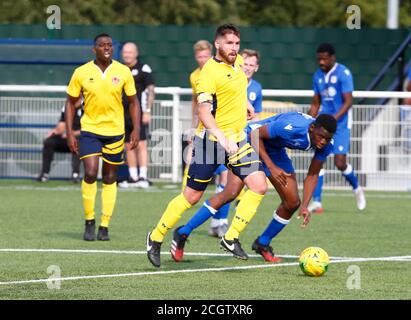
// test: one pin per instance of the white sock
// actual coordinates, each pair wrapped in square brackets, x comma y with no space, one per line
[143,172]
[223,222]
[133,173]
[214,223]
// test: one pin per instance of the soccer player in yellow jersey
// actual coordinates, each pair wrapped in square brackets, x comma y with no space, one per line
[220,139]
[101,82]
[219,223]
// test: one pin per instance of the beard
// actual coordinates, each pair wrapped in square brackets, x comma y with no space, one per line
[226,57]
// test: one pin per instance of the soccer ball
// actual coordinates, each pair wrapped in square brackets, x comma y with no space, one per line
[314,261]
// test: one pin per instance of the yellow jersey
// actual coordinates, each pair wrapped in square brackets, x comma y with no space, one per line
[226,86]
[103,109]
[194,76]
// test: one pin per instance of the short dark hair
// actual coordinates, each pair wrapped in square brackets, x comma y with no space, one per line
[326,121]
[227,28]
[326,47]
[101,35]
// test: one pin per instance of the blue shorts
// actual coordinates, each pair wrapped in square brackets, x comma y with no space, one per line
[209,155]
[222,168]
[110,148]
[281,159]
[341,141]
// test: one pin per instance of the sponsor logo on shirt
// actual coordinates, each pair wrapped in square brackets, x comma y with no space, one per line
[115,80]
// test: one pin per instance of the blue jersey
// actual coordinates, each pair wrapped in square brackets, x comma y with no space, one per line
[409,74]
[255,95]
[289,130]
[331,86]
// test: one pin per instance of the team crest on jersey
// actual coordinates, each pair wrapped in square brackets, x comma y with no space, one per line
[333,79]
[115,80]
[134,72]
[252,96]
[331,91]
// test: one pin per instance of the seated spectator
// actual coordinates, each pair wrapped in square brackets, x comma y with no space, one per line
[56,141]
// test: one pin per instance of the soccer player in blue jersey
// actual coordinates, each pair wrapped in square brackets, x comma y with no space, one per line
[333,87]
[254,89]
[270,137]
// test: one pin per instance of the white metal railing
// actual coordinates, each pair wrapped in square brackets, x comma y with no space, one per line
[380,143]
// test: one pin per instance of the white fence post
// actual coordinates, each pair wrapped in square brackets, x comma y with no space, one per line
[176,140]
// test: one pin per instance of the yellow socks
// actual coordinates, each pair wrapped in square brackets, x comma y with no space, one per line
[246,210]
[88,191]
[108,198]
[173,213]
[241,195]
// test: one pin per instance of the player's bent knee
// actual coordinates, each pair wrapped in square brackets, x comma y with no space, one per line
[292,206]
[90,175]
[257,182]
[192,196]
[340,164]
[110,179]
[90,178]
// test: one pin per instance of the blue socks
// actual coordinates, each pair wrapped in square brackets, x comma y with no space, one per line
[349,175]
[319,187]
[201,216]
[222,213]
[274,228]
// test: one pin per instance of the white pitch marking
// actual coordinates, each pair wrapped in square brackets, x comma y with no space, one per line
[135,274]
[205,254]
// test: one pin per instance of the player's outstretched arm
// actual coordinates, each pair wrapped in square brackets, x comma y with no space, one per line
[70,110]
[135,115]
[205,116]
[310,183]
[315,105]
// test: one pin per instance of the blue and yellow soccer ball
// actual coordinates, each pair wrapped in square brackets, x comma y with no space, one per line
[314,261]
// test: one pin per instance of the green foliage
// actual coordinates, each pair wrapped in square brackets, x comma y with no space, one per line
[299,13]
